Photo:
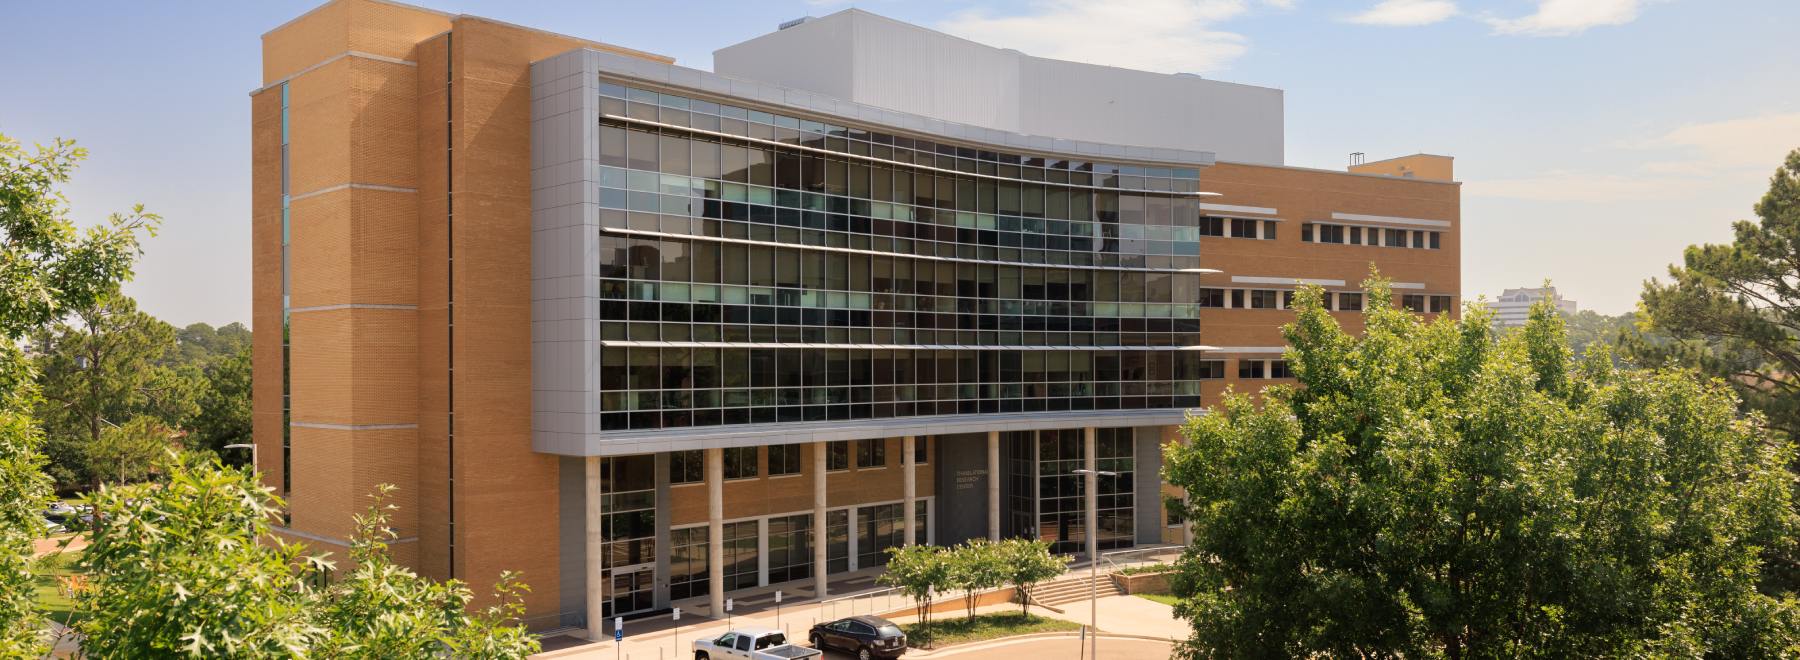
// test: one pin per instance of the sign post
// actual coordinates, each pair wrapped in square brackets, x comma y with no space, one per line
[778,610]
[618,636]
[728,614]
[677,619]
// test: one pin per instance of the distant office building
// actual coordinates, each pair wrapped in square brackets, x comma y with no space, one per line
[653,335]
[1514,305]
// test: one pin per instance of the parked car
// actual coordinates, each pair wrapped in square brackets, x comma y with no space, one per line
[59,511]
[751,644]
[866,636]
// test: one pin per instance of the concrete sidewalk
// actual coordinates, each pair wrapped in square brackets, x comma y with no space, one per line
[849,594]
[662,637]
[1128,615]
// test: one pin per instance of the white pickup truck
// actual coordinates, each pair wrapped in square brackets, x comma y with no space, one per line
[751,644]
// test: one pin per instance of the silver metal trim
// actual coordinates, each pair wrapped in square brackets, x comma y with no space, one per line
[1388,219]
[326,539]
[352,427]
[828,248]
[349,186]
[329,60]
[626,343]
[625,443]
[928,168]
[328,308]
[1233,208]
[1252,279]
[1228,350]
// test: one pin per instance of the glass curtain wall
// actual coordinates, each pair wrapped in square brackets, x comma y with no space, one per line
[910,278]
[740,555]
[688,563]
[790,548]
[1047,499]
[878,528]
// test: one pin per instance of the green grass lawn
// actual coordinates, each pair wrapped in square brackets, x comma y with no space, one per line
[957,629]
[49,595]
[1160,598]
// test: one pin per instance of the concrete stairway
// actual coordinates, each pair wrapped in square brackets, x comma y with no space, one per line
[1073,589]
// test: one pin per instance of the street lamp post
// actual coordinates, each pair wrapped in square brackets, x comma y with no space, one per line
[1093,524]
[250,447]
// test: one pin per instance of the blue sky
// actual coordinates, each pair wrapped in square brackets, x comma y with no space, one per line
[1597,138]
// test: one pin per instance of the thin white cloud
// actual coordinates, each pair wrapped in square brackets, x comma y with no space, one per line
[1561,18]
[1167,36]
[1583,186]
[1686,159]
[1406,13]
[1733,145]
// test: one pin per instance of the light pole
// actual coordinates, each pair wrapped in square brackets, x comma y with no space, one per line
[250,447]
[1093,524]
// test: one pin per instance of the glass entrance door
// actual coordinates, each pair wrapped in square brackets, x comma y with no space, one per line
[631,589]
[628,525]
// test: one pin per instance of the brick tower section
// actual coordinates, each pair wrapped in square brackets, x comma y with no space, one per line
[408,206]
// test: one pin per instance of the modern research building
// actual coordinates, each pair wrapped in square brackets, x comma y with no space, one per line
[651,335]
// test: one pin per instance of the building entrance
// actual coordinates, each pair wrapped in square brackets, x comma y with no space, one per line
[1048,498]
[631,589]
[628,524]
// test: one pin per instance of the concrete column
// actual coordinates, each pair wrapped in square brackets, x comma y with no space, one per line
[1093,493]
[596,552]
[910,489]
[715,532]
[663,501]
[993,484]
[821,556]
[854,549]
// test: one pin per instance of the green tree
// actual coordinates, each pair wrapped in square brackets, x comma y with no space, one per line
[1588,328]
[47,267]
[382,610]
[201,344]
[129,452]
[188,566]
[1733,311]
[1028,563]
[920,571]
[976,566]
[224,406]
[103,367]
[1428,491]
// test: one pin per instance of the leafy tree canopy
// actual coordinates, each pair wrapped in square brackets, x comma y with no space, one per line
[1029,562]
[1428,491]
[104,366]
[47,267]
[1734,310]
[920,571]
[188,566]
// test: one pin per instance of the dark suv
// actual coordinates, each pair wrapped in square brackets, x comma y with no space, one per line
[866,636]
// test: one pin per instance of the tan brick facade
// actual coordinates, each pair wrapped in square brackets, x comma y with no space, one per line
[771,495]
[372,173]
[1301,195]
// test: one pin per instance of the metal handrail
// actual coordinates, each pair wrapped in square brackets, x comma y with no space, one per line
[867,602]
[1117,560]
